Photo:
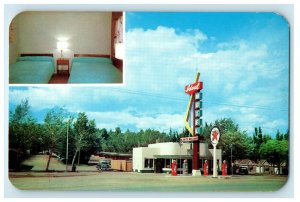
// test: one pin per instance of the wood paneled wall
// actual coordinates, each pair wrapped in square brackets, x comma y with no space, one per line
[117,62]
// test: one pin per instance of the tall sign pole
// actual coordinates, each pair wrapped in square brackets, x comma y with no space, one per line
[214,137]
[194,90]
[196,142]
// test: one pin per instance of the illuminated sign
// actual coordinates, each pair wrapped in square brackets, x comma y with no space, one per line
[193,88]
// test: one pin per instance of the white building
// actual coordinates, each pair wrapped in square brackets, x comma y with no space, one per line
[158,157]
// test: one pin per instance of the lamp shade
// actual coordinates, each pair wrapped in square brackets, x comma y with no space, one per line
[61,45]
[119,51]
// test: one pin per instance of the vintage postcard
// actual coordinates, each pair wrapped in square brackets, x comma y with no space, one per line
[203,104]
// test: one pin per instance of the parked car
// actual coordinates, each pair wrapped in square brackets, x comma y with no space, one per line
[243,171]
[103,165]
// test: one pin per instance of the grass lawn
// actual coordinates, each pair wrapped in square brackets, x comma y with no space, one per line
[88,178]
[39,163]
[127,181]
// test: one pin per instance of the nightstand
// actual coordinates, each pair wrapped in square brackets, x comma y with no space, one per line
[63,62]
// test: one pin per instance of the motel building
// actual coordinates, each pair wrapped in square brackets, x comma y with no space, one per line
[158,157]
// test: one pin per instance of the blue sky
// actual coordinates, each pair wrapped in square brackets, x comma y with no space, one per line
[243,59]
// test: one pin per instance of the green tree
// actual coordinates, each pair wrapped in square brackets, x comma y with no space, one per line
[275,151]
[86,138]
[279,136]
[238,141]
[93,141]
[81,130]
[117,141]
[231,138]
[286,135]
[257,141]
[22,133]
[38,143]
[266,138]
[225,125]
[55,126]
[173,136]
[206,133]
[66,136]
[22,113]
[131,141]
[103,133]
[260,136]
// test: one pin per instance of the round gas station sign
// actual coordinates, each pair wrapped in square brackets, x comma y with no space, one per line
[214,136]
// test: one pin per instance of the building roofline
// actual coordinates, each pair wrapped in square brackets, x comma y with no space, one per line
[114,154]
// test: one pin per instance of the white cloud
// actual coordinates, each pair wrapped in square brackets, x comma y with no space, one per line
[157,60]
[73,98]
[274,124]
[161,62]
[228,109]
[261,98]
[161,56]
[163,122]
[40,98]
[240,72]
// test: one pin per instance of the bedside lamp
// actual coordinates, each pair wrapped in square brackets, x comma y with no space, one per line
[119,51]
[62,45]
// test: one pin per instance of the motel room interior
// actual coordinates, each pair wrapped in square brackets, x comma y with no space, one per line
[66,48]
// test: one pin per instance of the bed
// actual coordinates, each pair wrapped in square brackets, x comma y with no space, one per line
[91,68]
[32,69]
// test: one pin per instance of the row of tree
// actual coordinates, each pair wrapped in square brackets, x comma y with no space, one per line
[61,132]
[27,136]
[239,145]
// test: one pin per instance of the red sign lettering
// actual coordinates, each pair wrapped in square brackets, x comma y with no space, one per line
[193,88]
[189,139]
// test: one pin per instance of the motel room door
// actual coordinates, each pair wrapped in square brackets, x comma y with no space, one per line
[158,165]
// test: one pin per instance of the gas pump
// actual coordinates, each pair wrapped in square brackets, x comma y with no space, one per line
[185,167]
[224,168]
[174,168]
[205,168]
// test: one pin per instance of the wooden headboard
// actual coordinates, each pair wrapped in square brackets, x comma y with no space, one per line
[92,55]
[37,54]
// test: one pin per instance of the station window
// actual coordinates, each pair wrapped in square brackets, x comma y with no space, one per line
[148,163]
[151,163]
[168,163]
[180,163]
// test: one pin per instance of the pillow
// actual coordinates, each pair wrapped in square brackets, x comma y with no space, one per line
[92,60]
[35,58]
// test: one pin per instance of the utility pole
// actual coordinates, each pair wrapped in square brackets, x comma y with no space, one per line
[180,164]
[67,146]
[231,160]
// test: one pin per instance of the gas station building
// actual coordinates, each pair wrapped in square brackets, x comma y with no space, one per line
[158,157]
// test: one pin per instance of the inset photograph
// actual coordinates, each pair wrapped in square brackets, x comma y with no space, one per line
[205,109]
[66,48]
